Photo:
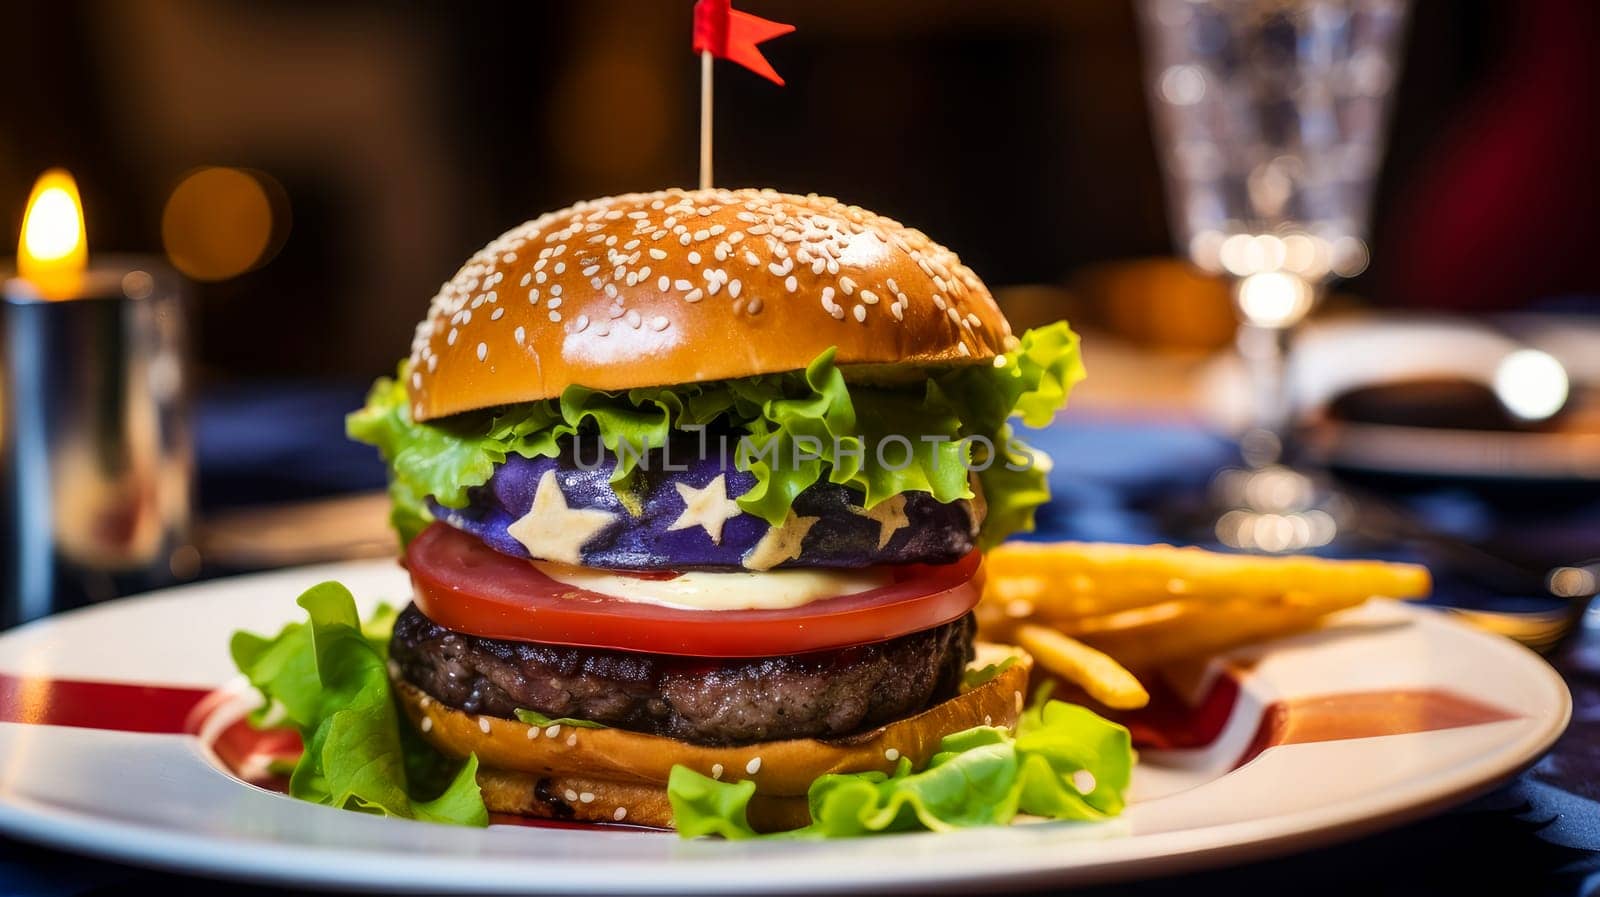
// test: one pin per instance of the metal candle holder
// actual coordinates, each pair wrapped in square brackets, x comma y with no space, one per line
[95,452]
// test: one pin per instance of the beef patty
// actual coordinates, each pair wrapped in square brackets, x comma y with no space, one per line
[823,694]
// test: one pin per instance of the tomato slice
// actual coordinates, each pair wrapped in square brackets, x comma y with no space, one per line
[465,585]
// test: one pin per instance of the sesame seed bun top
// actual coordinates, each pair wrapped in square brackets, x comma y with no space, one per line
[681,286]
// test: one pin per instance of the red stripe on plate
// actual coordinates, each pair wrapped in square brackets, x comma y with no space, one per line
[1367,714]
[116,706]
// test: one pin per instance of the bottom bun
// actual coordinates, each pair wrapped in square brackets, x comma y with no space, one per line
[613,775]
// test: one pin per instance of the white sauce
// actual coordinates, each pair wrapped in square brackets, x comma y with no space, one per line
[705,590]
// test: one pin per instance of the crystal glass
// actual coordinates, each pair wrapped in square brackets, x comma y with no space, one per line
[1270,118]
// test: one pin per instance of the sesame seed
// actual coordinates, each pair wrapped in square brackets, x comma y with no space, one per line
[899,311]
[755,306]
[791,284]
[552,731]
[962,348]
[891,755]
[498,314]
[571,795]
[702,235]
[683,238]
[591,270]
[450,339]
[869,297]
[560,267]
[630,244]
[955,316]
[860,311]
[681,285]
[694,258]
[555,302]
[483,352]
[695,295]
[847,285]
[620,814]
[659,323]
[521,335]
[751,257]
[483,724]
[572,739]
[735,287]
[525,279]
[1016,696]
[427,724]
[555,317]
[581,323]
[532,732]
[633,319]
[664,283]
[716,770]
[658,254]
[754,766]
[540,277]
[555,289]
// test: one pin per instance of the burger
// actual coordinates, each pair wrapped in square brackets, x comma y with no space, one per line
[699,481]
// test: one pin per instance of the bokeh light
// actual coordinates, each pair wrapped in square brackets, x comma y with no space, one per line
[221,222]
[1531,384]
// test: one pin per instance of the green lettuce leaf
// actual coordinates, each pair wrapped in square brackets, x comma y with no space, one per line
[847,434]
[982,776]
[328,678]
[535,718]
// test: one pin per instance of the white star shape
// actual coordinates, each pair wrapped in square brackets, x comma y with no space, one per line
[891,516]
[707,508]
[551,530]
[781,543]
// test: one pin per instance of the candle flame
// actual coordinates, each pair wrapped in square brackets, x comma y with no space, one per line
[53,251]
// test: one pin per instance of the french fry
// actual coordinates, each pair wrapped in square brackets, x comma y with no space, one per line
[1200,629]
[1062,581]
[1103,678]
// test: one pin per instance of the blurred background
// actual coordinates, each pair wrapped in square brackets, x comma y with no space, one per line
[315,169]
[393,140]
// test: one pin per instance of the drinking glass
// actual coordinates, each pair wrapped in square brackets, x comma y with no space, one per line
[1270,118]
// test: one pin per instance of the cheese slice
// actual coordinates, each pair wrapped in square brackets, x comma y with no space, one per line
[708,590]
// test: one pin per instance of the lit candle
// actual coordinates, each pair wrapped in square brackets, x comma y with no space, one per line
[94,445]
[53,250]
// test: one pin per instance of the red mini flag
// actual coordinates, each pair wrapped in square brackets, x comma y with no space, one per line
[727,33]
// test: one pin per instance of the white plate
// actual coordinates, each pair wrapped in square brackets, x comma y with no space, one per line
[164,800]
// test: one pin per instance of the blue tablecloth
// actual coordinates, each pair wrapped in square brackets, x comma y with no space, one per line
[1114,480]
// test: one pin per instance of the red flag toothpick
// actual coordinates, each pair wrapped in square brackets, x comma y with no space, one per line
[727,33]
[722,32]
